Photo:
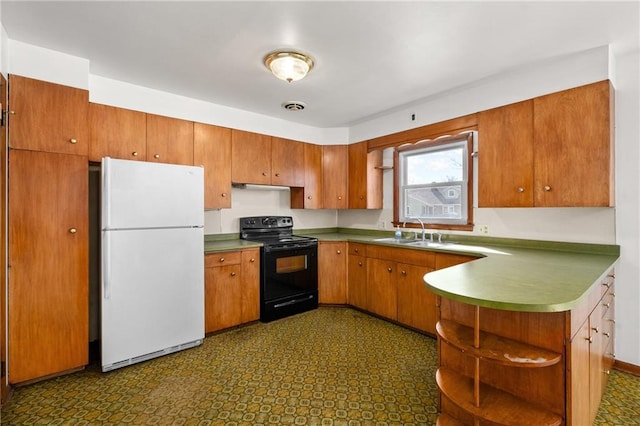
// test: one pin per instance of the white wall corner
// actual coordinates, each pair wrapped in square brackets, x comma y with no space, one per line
[36,62]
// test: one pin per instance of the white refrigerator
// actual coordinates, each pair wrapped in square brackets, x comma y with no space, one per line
[152,286]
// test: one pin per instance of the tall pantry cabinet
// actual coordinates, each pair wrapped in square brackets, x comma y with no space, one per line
[48,312]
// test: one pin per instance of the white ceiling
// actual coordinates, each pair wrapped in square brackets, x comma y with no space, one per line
[371,57]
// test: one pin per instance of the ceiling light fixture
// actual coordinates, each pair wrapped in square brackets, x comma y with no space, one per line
[288,65]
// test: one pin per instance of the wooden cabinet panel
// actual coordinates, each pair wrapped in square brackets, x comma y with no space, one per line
[250,285]
[332,272]
[223,294]
[169,140]
[578,353]
[365,177]
[310,196]
[573,155]
[505,163]
[117,133]
[417,305]
[3,247]
[212,149]
[335,176]
[48,257]
[250,157]
[48,117]
[357,281]
[382,288]
[287,162]
[444,260]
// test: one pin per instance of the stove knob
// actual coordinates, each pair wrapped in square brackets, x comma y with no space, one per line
[265,221]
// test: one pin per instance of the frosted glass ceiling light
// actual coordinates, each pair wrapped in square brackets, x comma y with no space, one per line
[288,65]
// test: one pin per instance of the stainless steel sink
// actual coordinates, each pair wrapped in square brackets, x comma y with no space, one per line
[432,244]
[394,240]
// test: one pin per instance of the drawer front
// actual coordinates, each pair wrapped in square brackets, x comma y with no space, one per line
[358,249]
[213,260]
[409,255]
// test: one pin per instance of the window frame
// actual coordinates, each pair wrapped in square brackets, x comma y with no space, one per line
[465,137]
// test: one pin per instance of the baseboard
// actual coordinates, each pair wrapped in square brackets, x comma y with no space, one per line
[627,368]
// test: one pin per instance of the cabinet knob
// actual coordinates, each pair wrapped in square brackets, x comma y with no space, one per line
[362,197]
[359,263]
[309,197]
[607,372]
[12,112]
[233,274]
[596,329]
[607,334]
[72,230]
[611,321]
[356,250]
[606,305]
[73,140]
[520,189]
[277,174]
[134,154]
[338,251]
[612,276]
[403,272]
[264,173]
[224,194]
[606,284]
[389,269]
[589,339]
[252,260]
[339,197]
[156,156]
[547,188]
[221,259]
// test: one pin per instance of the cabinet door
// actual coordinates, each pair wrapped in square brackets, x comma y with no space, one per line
[357,282]
[310,196]
[117,133]
[250,285]
[48,117]
[48,260]
[416,303]
[332,273]
[169,140]
[505,160]
[335,176]
[382,293]
[573,155]
[250,157]
[212,149]
[287,162]
[223,297]
[365,177]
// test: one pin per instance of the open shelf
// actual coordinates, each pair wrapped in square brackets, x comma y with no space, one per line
[495,405]
[495,348]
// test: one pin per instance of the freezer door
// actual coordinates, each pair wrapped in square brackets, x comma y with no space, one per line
[152,291]
[136,195]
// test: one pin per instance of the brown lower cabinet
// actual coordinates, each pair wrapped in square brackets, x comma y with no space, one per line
[48,244]
[232,289]
[332,272]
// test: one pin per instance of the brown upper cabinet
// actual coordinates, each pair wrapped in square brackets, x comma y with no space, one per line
[309,196]
[117,133]
[335,176]
[48,117]
[169,140]
[212,150]
[250,157]
[265,160]
[365,177]
[551,151]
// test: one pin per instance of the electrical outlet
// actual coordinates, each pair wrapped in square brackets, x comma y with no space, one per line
[483,229]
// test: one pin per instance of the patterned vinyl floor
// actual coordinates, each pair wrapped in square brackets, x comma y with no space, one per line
[332,366]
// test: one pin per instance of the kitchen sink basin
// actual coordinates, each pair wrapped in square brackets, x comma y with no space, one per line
[432,244]
[394,240]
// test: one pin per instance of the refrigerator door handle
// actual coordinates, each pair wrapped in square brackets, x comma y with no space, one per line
[106,265]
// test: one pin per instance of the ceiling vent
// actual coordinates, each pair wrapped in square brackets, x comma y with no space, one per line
[293,106]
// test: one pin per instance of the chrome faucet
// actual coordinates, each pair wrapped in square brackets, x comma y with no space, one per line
[422,225]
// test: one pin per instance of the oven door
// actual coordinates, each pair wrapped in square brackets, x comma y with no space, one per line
[288,272]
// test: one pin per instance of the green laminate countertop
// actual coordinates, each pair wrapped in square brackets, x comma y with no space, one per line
[215,246]
[516,275]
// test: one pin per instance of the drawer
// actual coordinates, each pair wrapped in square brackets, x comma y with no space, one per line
[213,260]
[409,255]
[358,249]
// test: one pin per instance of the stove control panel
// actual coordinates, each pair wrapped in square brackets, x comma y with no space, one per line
[266,222]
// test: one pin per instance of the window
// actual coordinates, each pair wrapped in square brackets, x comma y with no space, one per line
[434,182]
